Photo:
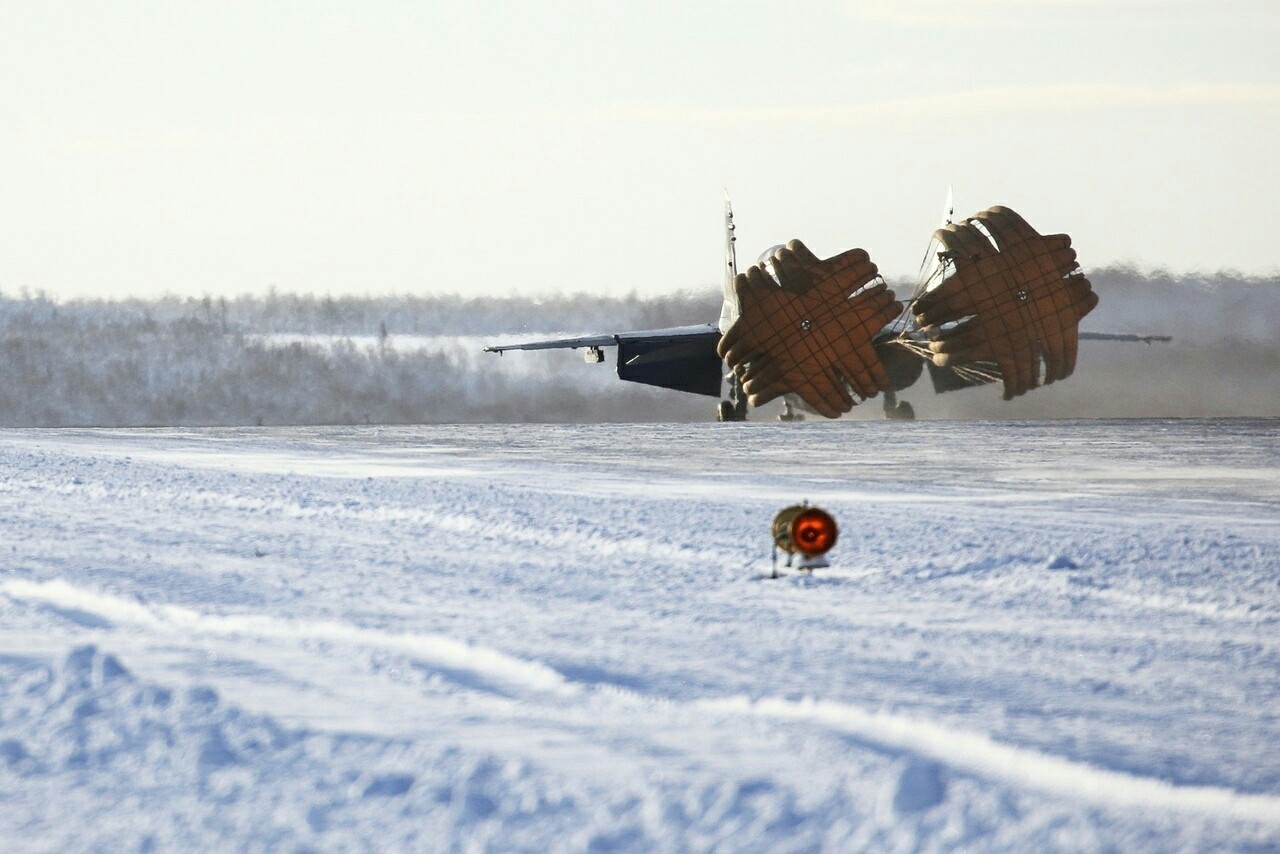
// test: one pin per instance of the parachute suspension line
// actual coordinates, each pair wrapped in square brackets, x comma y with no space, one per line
[936,276]
[974,372]
[920,349]
[978,372]
[922,287]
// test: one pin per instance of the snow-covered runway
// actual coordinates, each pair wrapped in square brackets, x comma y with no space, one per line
[1060,635]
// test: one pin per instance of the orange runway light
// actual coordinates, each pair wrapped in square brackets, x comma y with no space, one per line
[804,532]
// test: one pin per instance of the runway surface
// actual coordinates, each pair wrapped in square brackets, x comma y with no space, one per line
[1034,636]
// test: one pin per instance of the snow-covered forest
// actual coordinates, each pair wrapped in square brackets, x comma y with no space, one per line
[290,359]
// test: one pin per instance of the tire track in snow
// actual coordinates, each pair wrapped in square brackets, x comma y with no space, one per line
[481,668]
[1018,767]
[477,666]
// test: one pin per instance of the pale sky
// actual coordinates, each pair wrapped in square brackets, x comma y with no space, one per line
[541,147]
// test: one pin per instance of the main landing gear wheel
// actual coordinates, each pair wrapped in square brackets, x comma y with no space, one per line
[735,408]
[789,413]
[730,411]
[897,411]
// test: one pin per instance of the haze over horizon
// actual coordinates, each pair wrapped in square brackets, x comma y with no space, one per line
[564,147]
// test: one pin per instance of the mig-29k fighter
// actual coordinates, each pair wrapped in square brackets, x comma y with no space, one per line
[995,301]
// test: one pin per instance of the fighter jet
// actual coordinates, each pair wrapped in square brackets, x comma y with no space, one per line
[995,301]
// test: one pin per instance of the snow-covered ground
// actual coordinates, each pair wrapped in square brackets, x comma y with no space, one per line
[1035,636]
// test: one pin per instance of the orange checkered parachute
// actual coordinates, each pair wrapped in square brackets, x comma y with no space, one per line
[810,332]
[999,300]
[1014,297]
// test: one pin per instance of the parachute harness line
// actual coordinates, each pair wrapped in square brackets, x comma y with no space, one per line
[1016,298]
[810,333]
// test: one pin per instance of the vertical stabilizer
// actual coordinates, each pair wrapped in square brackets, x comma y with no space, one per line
[931,269]
[730,309]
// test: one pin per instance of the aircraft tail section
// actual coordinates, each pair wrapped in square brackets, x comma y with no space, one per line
[729,311]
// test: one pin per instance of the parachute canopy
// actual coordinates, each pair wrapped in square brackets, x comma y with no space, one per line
[810,332]
[999,299]
[1015,297]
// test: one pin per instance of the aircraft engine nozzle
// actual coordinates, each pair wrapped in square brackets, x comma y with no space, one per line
[804,530]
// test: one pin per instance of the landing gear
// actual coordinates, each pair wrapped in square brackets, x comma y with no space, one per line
[895,410]
[789,413]
[735,408]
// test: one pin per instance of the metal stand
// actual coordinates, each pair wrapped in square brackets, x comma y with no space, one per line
[804,563]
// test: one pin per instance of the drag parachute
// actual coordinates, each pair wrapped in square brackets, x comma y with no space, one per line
[809,332]
[1002,298]
[995,299]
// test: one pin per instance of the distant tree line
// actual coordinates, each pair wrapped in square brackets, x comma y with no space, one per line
[212,360]
[180,361]
[275,312]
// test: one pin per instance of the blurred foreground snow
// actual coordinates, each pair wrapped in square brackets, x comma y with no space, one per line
[1035,636]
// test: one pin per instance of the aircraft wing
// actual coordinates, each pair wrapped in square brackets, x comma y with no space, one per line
[673,335]
[1122,336]
[682,358]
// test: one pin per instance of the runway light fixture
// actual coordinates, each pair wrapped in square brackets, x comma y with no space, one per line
[806,534]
